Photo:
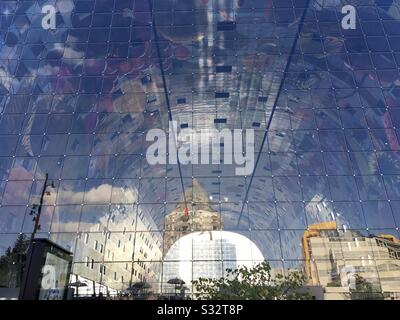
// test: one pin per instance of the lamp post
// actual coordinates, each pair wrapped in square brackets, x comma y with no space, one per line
[35,212]
[37,209]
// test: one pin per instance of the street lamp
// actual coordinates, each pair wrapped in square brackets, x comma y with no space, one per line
[37,208]
[35,212]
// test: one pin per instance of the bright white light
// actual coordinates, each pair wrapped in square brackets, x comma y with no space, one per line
[208,254]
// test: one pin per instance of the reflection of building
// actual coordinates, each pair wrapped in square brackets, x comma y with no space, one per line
[202,217]
[195,246]
[333,258]
[207,255]
[109,257]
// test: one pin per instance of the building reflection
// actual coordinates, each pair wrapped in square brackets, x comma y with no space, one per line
[195,245]
[110,258]
[184,220]
[335,259]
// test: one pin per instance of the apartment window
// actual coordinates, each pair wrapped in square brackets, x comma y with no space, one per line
[92,264]
[102,269]
[95,244]
[86,239]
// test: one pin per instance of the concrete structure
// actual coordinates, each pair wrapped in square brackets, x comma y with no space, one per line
[335,259]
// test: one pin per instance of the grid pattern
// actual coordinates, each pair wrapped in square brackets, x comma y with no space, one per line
[76,103]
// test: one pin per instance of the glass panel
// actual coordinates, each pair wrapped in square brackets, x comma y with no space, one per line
[288,122]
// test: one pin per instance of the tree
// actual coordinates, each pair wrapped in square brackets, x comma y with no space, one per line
[12,263]
[254,283]
[365,290]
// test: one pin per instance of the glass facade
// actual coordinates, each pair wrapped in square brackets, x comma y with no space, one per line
[78,99]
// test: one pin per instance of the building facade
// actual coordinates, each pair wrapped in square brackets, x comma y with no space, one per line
[200,217]
[339,260]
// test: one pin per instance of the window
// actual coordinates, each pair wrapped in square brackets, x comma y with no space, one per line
[86,238]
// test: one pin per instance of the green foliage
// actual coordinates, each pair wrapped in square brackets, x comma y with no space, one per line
[254,283]
[365,290]
[12,262]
